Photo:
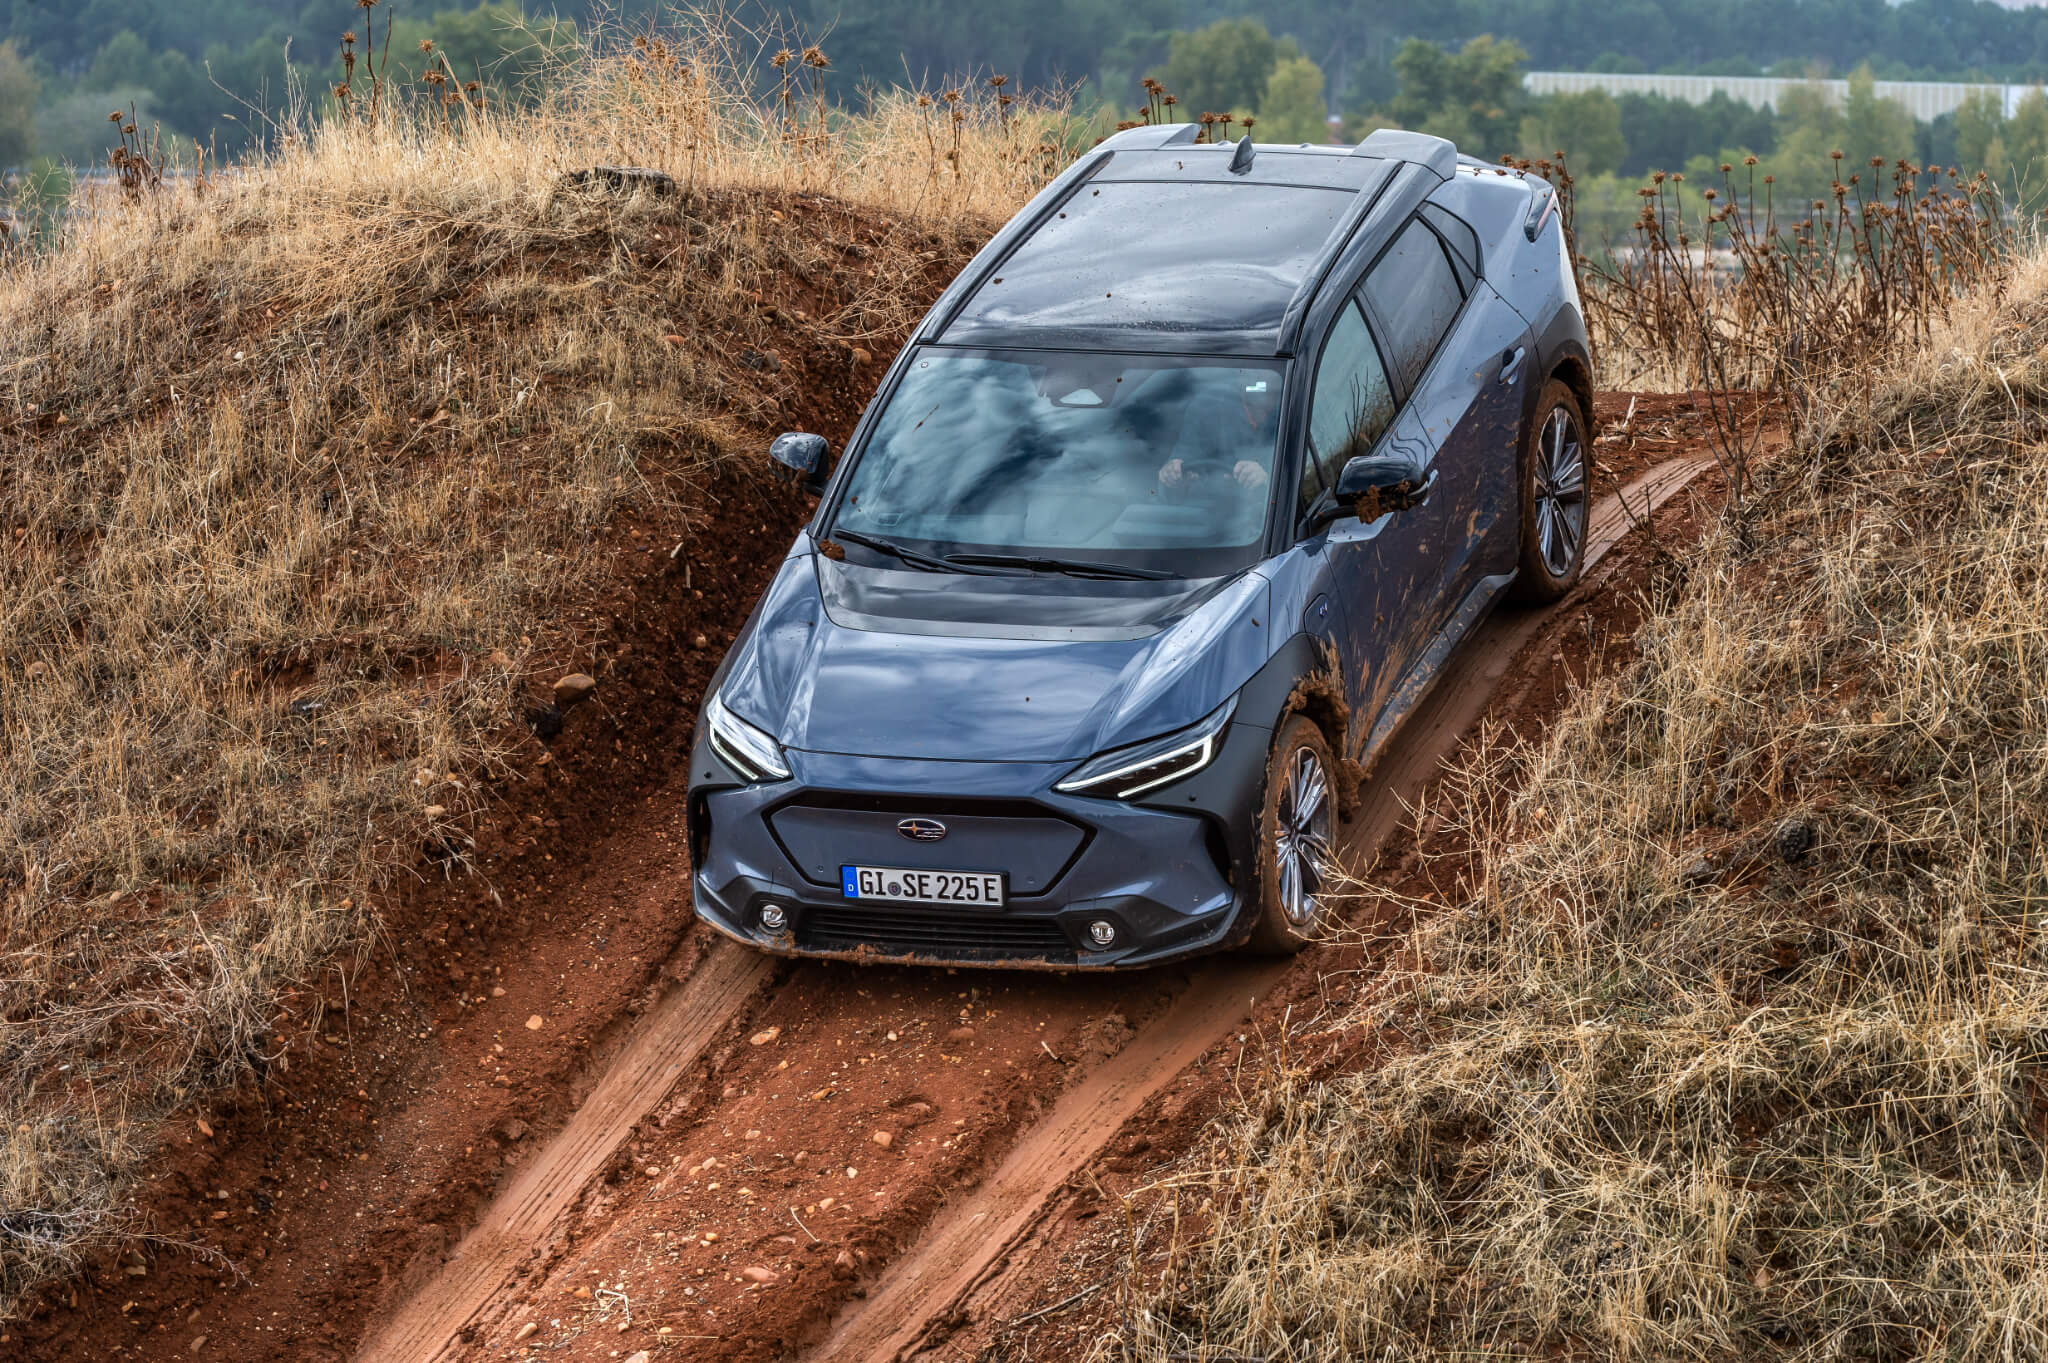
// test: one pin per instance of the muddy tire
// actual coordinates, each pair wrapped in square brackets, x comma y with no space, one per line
[1556,499]
[1297,840]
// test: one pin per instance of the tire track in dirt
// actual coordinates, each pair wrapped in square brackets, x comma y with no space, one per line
[488,1259]
[966,1249]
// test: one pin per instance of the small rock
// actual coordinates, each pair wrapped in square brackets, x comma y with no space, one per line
[38,668]
[198,1343]
[581,1294]
[497,991]
[756,1273]
[513,1129]
[961,1033]
[204,1129]
[535,1023]
[700,642]
[526,1331]
[575,687]
[642,1356]
[499,658]
[842,1264]
[862,357]
[766,361]
[435,811]
[1794,839]
[884,1139]
[674,340]
[764,1036]
[133,1264]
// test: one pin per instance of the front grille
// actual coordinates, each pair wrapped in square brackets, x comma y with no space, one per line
[895,933]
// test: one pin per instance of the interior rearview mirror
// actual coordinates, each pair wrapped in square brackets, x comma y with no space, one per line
[803,454]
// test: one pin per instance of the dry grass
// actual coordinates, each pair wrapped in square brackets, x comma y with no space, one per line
[298,465]
[1736,1048]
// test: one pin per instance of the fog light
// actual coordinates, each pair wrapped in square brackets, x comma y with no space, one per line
[1102,932]
[773,918]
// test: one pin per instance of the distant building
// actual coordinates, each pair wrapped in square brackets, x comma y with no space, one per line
[1924,99]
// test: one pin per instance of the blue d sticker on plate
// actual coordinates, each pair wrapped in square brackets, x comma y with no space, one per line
[849,882]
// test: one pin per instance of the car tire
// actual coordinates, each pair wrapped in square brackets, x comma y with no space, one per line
[1297,840]
[1556,497]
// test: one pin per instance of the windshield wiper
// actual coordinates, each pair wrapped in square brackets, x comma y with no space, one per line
[1073,567]
[904,552]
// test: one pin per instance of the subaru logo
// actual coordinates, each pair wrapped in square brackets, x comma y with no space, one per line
[922,830]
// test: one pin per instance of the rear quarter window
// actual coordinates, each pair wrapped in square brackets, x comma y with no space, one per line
[1414,296]
[1459,236]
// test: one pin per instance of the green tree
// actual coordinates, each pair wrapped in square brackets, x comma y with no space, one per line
[1223,68]
[2025,137]
[123,60]
[74,130]
[493,43]
[19,90]
[1473,96]
[1809,132]
[1979,120]
[1873,127]
[1586,127]
[1293,109]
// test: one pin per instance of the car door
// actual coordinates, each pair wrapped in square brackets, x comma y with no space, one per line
[1352,411]
[1454,349]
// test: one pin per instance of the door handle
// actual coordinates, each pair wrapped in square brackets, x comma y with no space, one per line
[1511,364]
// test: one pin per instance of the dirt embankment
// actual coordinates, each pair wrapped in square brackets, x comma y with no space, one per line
[529,926]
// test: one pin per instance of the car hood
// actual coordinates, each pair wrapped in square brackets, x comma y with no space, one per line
[881,662]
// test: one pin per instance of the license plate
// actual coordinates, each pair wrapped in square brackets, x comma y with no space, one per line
[976,889]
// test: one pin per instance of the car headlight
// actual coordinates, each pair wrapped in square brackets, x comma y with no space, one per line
[750,751]
[1123,773]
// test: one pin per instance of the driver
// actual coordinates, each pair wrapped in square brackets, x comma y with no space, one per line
[1222,424]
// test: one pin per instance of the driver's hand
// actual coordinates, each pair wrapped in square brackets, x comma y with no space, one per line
[1248,474]
[1173,473]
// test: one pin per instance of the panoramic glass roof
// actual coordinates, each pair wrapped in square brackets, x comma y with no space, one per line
[1197,264]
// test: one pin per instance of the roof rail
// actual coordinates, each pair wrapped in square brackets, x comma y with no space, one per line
[1151,137]
[1397,144]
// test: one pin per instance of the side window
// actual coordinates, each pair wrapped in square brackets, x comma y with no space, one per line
[1352,403]
[1459,236]
[1415,297]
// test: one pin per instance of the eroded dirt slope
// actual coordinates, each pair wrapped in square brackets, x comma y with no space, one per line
[401,1083]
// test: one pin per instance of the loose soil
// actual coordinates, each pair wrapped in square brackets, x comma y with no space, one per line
[807,1138]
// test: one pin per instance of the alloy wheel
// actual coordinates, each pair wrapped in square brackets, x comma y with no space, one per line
[1302,842]
[1560,492]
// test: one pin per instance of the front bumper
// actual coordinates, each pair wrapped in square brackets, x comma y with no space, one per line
[1171,873]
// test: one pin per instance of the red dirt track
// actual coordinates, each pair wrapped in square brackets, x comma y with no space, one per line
[700,1152]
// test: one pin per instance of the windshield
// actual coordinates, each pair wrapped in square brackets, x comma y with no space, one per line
[1147,461]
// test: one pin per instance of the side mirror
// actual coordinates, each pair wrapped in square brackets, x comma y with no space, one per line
[1378,484]
[803,454]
